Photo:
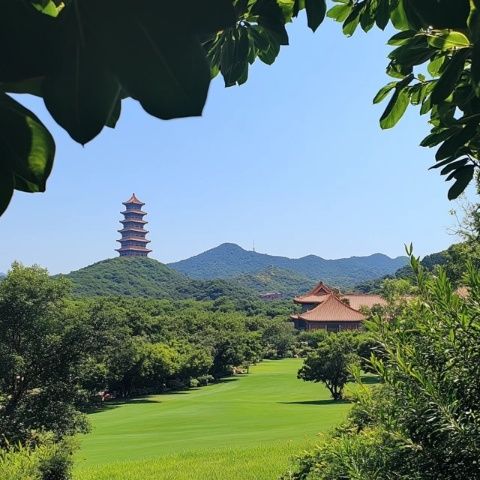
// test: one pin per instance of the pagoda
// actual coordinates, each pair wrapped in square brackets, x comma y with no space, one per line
[133,242]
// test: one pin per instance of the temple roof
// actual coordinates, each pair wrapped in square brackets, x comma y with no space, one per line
[315,295]
[133,199]
[332,309]
[356,301]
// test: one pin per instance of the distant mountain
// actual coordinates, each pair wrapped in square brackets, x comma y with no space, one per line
[429,263]
[229,260]
[146,277]
[275,279]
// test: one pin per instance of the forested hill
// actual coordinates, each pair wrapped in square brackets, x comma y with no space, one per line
[229,260]
[146,277]
[274,279]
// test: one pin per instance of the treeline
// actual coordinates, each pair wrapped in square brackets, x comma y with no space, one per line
[61,355]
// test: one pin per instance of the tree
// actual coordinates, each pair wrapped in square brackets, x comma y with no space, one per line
[41,348]
[163,54]
[330,363]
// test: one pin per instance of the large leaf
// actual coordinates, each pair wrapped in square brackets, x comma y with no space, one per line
[26,147]
[456,141]
[395,109]
[447,40]
[81,94]
[316,10]
[161,66]
[463,176]
[448,79]
[28,41]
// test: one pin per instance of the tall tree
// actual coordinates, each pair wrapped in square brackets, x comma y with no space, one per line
[41,348]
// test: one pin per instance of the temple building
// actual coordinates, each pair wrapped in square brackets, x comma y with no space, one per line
[133,242]
[327,309]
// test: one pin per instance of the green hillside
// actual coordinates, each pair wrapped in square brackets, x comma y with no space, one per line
[146,277]
[244,428]
[275,279]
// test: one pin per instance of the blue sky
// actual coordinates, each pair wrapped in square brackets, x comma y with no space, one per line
[293,160]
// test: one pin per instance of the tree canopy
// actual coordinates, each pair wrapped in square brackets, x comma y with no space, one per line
[163,54]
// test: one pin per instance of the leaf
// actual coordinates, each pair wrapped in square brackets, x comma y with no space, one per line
[316,10]
[270,16]
[399,17]
[446,40]
[175,75]
[28,42]
[443,163]
[81,94]
[352,21]
[339,12]
[435,66]
[463,177]
[382,15]
[384,91]
[402,37]
[6,188]
[449,78]
[437,137]
[454,166]
[26,147]
[395,109]
[115,113]
[459,139]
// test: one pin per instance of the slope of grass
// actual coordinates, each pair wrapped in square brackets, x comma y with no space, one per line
[246,427]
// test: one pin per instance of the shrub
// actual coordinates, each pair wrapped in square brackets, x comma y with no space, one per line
[46,461]
[423,422]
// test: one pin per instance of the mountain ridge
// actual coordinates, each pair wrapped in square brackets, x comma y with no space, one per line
[229,260]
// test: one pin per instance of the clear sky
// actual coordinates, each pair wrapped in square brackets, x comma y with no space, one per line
[293,160]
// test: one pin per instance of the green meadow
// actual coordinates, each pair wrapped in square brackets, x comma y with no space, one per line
[244,428]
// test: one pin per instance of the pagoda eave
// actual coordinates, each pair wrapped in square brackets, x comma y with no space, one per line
[132,239]
[136,212]
[143,222]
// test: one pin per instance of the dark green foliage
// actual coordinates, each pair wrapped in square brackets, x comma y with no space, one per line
[41,347]
[330,362]
[422,422]
[145,277]
[274,279]
[229,260]
[46,460]
[92,55]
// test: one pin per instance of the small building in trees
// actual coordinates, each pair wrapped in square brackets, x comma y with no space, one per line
[133,242]
[328,309]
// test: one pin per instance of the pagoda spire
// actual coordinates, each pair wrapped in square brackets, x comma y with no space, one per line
[133,242]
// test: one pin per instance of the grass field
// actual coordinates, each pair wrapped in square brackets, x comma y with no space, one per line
[244,428]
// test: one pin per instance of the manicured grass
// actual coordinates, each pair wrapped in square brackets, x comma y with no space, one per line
[244,428]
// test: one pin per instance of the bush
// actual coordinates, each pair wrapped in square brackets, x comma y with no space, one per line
[46,461]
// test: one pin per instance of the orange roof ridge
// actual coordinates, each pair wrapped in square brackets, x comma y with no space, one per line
[320,289]
[332,309]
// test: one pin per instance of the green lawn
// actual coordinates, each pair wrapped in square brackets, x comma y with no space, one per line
[244,428]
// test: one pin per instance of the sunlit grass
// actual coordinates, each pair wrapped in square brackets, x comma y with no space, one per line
[247,427]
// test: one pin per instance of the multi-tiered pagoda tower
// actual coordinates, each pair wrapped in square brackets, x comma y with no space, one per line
[133,242]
